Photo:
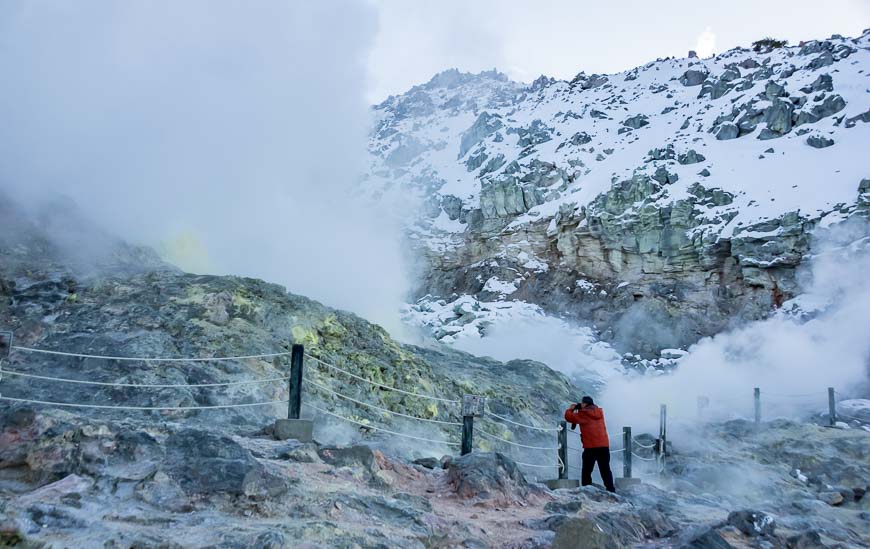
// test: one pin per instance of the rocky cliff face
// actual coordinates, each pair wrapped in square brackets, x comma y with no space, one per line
[682,193]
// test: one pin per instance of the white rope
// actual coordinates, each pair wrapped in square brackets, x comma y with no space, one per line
[146,385]
[838,415]
[336,393]
[367,426]
[617,450]
[554,466]
[144,359]
[642,458]
[653,445]
[156,408]
[795,395]
[381,385]
[506,441]
[544,429]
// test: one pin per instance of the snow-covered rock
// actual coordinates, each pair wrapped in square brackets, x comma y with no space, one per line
[629,177]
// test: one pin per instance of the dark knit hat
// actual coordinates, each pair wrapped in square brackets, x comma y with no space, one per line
[587,400]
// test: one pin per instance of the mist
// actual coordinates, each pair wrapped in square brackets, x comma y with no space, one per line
[817,340]
[227,135]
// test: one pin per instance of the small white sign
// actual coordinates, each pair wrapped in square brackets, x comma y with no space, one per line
[472,405]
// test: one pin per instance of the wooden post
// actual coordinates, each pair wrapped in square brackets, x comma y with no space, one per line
[295,405]
[467,433]
[832,407]
[627,445]
[472,405]
[757,394]
[563,449]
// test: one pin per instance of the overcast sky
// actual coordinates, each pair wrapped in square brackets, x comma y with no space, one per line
[559,38]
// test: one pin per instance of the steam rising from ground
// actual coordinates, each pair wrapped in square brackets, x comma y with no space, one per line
[818,340]
[229,135]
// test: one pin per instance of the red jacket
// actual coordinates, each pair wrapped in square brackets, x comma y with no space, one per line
[593,431]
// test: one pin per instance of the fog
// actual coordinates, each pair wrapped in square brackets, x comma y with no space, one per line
[228,135]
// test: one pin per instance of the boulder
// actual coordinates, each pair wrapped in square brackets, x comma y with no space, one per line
[575,533]
[831,105]
[636,122]
[823,83]
[202,462]
[693,77]
[484,125]
[690,157]
[487,475]
[832,498]
[752,523]
[778,117]
[728,130]
[819,142]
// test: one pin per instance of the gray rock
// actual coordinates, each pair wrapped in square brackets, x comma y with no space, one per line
[704,173]
[831,105]
[823,83]
[832,498]
[206,463]
[778,117]
[574,533]
[752,523]
[487,475]
[428,462]
[485,125]
[691,157]
[823,60]
[452,206]
[727,130]
[636,122]
[693,77]
[708,538]
[819,141]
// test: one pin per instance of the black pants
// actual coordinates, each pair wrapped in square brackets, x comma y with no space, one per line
[602,457]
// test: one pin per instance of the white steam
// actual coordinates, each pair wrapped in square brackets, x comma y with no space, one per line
[793,360]
[228,135]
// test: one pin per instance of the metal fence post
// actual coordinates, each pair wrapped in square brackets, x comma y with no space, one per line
[563,449]
[663,433]
[832,407]
[757,394]
[294,407]
[626,452]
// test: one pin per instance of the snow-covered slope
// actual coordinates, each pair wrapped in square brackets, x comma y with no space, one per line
[686,189]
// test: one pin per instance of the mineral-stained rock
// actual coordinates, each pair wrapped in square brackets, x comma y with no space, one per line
[206,463]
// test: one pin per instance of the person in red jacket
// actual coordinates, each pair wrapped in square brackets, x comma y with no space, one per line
[593,435]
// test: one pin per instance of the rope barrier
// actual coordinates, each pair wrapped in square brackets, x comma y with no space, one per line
[643,458]
[153,408]
[506,441]
[148,359]
[546,430]
[840,414]
[336,393]
[145,385]
[617,450]
[374,428]
[634,440]
[381,385]
[553,466]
